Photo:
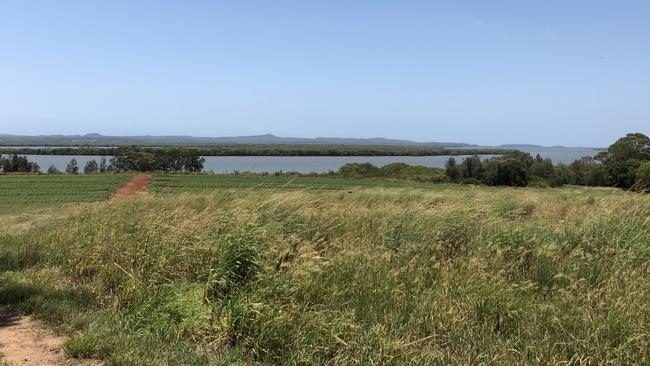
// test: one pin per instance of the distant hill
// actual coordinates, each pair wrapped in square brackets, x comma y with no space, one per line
[93,139]
[524,147]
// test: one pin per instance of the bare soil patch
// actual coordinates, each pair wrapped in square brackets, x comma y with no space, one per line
[139,183]
[22,344]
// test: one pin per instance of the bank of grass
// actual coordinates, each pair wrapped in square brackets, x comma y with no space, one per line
[376,276]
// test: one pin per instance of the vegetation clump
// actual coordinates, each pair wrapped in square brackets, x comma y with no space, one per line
[17,164]
[443,274]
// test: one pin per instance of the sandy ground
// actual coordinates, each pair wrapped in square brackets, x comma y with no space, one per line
[137,184]
[22,343]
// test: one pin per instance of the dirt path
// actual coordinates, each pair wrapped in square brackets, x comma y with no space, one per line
[137,184]
[22,344]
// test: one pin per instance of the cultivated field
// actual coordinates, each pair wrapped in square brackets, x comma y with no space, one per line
[49,188]
[214,270]
[179,183]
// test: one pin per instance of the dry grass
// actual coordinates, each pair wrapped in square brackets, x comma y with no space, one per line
[376,276]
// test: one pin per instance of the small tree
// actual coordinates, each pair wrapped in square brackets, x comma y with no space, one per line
[72,167]
[91,167]
[472,167]
[453,171]
[53,170]
[103,166]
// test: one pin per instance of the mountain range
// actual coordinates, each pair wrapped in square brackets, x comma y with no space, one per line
[94,139]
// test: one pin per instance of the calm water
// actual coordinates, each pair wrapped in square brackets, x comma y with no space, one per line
[308,164]
[319,164]
[261,164]
[561,154]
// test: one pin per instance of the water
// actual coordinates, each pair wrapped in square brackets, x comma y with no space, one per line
[270,164]
[318,164]
[60,161]
[308,164]
[564,155]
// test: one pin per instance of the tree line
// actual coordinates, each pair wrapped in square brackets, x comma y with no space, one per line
[625,164]
[178,159]
[18,164]
[272,150]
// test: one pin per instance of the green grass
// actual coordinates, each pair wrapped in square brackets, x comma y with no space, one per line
[383,275]
[40,189]
[169,183]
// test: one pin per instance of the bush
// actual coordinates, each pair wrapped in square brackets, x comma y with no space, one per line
[53,170]
[643,177]
[359,170]
[505,172]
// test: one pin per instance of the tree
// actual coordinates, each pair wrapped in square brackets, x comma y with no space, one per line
[586,171]
[91,167]
[18,164]
[133,158]
[103,166]
[525,158]
[542,167]
[452,170]
[472,167]
[505,172]
[643,177]
[53,170]
[171,159]
[624,157]
[72,167]
[632,146]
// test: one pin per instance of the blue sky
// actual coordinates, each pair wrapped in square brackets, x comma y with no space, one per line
[488,72]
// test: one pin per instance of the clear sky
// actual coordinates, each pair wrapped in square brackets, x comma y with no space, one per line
[569,72]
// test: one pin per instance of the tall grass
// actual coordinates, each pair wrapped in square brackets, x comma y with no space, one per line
[377,276]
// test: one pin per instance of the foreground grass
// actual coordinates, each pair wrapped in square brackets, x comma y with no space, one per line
[376,276]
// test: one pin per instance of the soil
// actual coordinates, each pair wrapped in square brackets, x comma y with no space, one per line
[139,183]
[21,343]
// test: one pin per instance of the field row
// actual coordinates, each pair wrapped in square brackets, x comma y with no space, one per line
[89,188]
[197,183]
[54,188]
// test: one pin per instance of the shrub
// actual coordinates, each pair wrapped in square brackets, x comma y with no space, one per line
[643,177]
[505,172]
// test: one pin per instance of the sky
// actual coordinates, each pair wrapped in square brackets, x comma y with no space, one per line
[573,73]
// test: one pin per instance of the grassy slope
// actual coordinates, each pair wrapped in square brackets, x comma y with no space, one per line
[389,276]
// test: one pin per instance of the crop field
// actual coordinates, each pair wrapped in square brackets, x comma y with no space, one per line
[170,183]
[384,275]
[39,189]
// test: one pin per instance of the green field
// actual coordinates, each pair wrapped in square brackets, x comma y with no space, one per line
[170,183]
[210,270]
[18,189]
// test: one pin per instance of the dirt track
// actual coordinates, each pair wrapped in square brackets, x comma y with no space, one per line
[22,344]
[139,183]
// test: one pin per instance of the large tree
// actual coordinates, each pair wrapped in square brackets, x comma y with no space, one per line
[624,157]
